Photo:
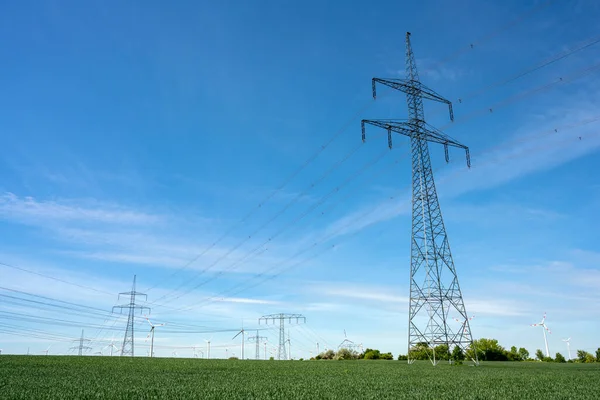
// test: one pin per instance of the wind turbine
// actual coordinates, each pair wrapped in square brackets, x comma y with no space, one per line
[265,343]
[46,351]
[208,347]
[289,346]
[544,329]
[152,326]
[568,342]
[174,354]
[241,332]
[112,346]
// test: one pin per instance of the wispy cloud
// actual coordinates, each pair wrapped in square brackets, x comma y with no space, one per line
[495,307]
[242,300]
[433,70]
[29,210]
[352,291]
[532,149]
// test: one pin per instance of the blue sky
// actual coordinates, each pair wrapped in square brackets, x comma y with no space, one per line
[137,139]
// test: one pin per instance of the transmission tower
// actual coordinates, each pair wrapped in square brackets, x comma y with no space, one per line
[257,339]
[434,288]
[81,346]
[128,345]
[282,317]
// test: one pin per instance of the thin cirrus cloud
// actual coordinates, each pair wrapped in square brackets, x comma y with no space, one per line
[29,210]
[513,159]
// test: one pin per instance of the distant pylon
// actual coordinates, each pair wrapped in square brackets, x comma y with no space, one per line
[281,354]
[128,344]
[257,339]
[81,347]
[434,288]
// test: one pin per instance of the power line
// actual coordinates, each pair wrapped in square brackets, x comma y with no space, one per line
[272,194]
[292,223]
[514,22]
[522,95]
[242,286]
[495,106]
[520,18]
[55,279]
[265,224]
[560,56]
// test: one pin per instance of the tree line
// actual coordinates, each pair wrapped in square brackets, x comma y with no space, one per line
[484,349]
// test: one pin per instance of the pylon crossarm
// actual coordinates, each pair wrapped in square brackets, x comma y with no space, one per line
[424,130]
[415,88]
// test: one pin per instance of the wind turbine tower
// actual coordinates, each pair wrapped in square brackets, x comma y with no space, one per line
[152,326]
[208,347]
[568,342]
[241,332]
[544,329]
[434,288]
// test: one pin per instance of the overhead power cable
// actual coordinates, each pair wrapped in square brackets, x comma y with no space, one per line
[296,172]
[242,286]
[521,95]
[261,248]
[314,156]
[560,56]
[520,18]
[55,279]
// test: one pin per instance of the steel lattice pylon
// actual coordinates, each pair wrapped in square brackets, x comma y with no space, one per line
[128,340]
[281,353]
[434,288]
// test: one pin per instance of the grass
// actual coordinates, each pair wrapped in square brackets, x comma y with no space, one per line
[48,377]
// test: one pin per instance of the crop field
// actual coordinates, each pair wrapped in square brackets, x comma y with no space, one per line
[47,377]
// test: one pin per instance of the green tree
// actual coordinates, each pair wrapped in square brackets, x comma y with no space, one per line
[513,354]
[583,356]
[327,355]
[598,355]
[457,354]
[488,350]
[386,356]
[590,358]
[421,351]
[372,354]
[559,358]
[345,354]
[539,355]
[442,352]
[524,354]
[402,357]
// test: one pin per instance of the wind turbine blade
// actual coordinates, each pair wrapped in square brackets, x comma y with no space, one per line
[236,335]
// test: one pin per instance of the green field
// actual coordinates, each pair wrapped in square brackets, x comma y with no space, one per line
[47,377]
